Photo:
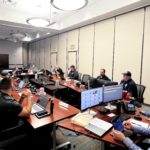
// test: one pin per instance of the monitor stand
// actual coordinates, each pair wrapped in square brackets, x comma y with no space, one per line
[91,112]
[110,107]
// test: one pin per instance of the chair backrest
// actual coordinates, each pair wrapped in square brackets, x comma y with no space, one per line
[85,78]
[140,92]
[80,75]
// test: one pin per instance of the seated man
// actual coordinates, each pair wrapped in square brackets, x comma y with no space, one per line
[59,72]
[129,85]
[73,74]
[102,75]
[127,141]
[10,108]
[33,69]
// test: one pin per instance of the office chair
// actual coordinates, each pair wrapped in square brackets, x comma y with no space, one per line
[12,136]
[140,92]
[85,78]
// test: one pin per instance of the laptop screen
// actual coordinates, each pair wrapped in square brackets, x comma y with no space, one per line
[21,84]
[43,100]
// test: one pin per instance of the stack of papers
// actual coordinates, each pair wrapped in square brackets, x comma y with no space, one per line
[82,119]
[94,125]
[139,123]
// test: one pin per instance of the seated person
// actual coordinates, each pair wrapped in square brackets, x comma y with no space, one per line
[129,85]
[59,72]
[73,74]
[33,69]
[127,141]
[12,111]
[102,75]
[46,72]
[16,68]
[10,108]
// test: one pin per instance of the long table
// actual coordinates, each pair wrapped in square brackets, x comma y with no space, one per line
[59,113]
[69,84]
[107,138]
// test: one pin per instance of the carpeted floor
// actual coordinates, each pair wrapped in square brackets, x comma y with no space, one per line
[78,142]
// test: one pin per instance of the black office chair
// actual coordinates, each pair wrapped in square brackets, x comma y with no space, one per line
[140,92]
[85,78]
[12,137]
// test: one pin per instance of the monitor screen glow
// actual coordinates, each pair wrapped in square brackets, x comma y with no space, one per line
[91,98]
[112,93]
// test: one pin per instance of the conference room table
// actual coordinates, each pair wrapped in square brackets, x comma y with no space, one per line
[70,83]
[50,88]
[25,76]
[106,138]
[59,113]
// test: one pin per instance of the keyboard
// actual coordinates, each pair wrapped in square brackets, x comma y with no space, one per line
[95,130]
[36,108]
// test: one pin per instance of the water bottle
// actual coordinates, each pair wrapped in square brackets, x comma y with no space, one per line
[51,106]
[57,83]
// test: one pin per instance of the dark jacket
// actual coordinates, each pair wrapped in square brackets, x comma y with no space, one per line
[103,78]
[73,75]
[130,87]
[9,111]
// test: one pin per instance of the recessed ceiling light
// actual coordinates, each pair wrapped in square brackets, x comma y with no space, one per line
[69,5]
[38,22]
[37,35]
[18,35]
[27,39]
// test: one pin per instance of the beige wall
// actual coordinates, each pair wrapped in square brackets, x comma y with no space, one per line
[103,49]
[146,57]
[128,44]
[114,44]
[86,49]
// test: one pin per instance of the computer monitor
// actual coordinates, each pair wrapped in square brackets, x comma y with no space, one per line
[112,93]
[101,82]
[25,71]
[91,98]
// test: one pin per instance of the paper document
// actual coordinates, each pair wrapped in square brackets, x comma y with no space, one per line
[98,126]
[139,123]
[82,119]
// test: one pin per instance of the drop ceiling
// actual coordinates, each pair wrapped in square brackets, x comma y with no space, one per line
[14,13]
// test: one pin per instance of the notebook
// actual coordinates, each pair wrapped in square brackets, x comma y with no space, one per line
[98,127]
[40,105]
[94,125]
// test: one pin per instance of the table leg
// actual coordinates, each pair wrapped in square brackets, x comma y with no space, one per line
[54,136]
[54,140]
[102,145]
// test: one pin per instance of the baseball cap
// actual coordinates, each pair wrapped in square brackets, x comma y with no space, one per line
[128,73]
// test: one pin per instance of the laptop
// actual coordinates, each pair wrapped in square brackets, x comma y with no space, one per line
[20,86]
[40,105]
[98,126]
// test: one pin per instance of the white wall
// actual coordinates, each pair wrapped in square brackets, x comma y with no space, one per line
[13,49]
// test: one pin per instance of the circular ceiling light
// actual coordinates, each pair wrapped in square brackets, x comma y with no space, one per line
[38,22]
[18,35]
[69,5]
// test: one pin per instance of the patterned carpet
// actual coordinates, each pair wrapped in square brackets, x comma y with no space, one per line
[78,142]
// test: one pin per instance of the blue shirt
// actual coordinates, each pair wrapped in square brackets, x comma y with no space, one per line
[140,130]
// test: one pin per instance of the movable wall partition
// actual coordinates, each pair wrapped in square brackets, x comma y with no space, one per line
[117,44]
